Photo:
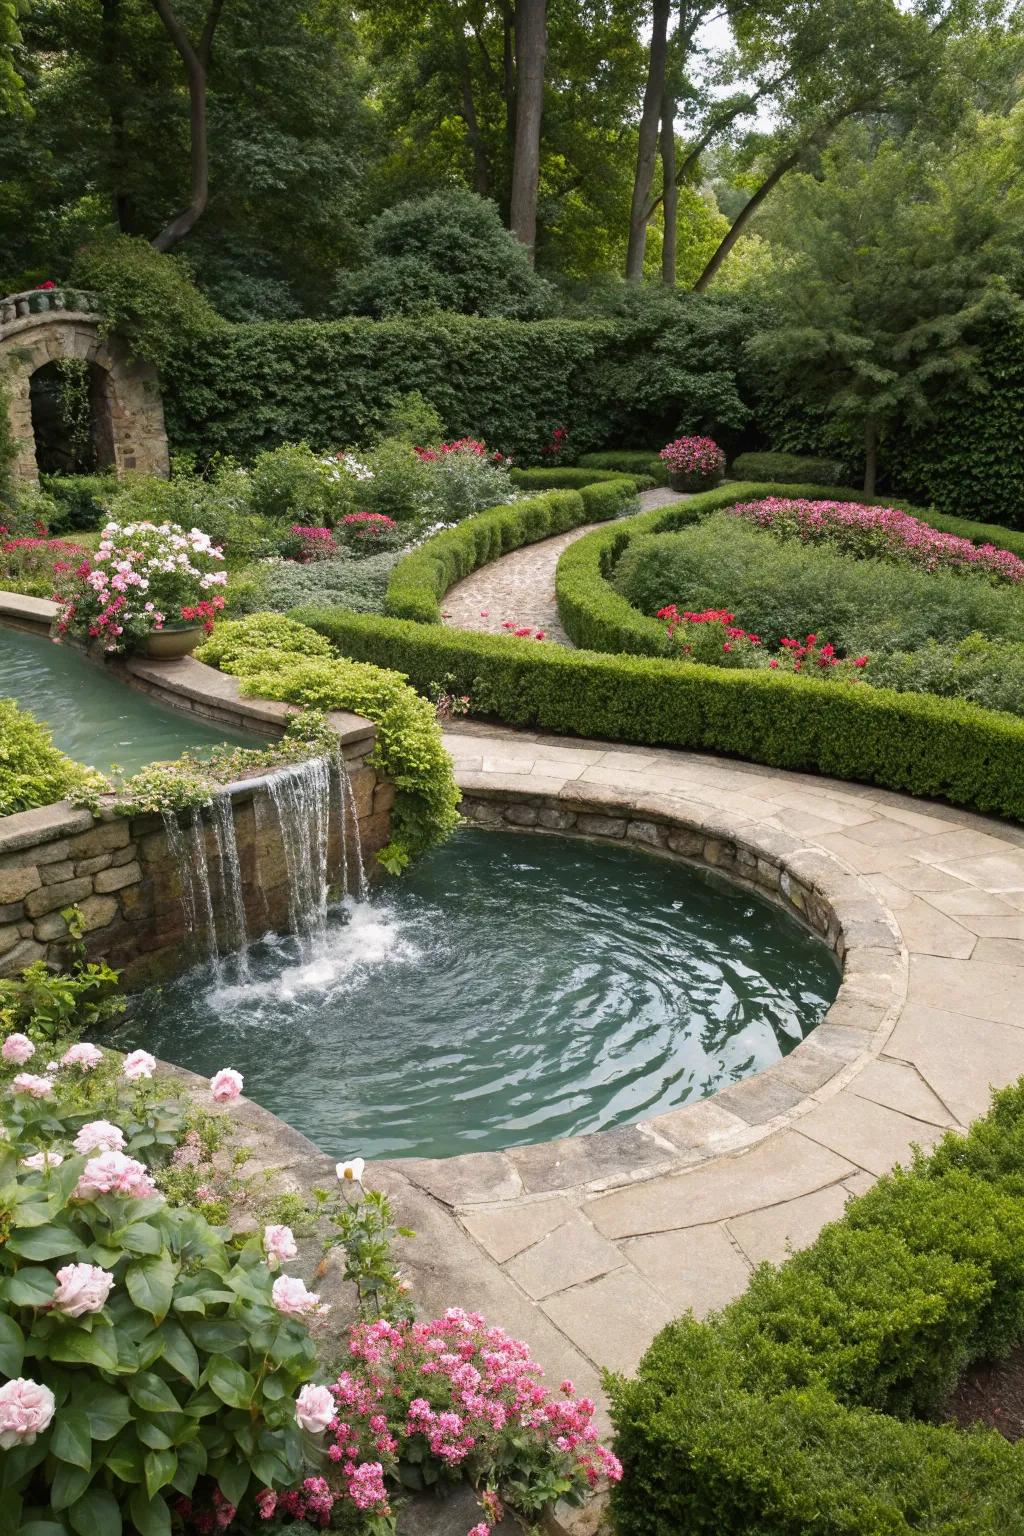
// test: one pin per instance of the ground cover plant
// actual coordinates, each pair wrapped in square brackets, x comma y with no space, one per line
[33,772]
[813,1403]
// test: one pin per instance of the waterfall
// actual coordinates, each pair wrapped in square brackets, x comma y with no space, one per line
[232,900]
[188,848]
[301,795]
[346,801]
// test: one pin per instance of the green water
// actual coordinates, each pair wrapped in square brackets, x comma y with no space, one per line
[95,718]
[512,988]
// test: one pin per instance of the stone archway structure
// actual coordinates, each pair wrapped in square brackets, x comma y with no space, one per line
[44,325]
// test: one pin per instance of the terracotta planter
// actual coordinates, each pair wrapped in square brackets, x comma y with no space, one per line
[685,482]
[173,640]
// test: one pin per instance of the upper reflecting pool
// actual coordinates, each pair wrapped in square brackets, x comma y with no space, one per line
[512,988]
[95,718]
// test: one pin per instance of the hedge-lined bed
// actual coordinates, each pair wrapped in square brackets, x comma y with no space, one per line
[622,689]
[809,1406]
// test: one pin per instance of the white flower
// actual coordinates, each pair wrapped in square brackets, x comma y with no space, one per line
[351,1168]
[41,1160]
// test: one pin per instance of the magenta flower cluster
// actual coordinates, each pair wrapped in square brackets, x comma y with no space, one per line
[452,1393]
[693,456]
[883,532]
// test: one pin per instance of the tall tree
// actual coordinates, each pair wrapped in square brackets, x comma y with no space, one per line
[647,141]
[531,53]
[195,57]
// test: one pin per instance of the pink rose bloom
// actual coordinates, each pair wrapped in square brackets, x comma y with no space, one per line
[82,1288]
[17,1048]
[139,1064]
[266,1503]
[314,1409]
[82,1055]
[114,1174]
[278,1245]
[40,1160]
[26,1408]
[38,1087]
[99,1136]
[226,1085]
[292,1298]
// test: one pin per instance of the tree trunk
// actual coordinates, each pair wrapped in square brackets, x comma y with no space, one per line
[196,59]
[670,191]
[113,83]
[743,218]
[870,456]
[508,72]
[481,169]
[531,51]
[647,147]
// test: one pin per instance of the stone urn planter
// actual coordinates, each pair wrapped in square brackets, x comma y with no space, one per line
[173,640]
[684,482]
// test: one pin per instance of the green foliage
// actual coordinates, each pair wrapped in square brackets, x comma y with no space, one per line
[797,1408]
[988,672]
[32,770]
[80,501]
[365,1229]
[401,484]
[628,461]
[50,1006]
[961,460]
[627,378]
[412,418]
[778,589]
[8,443]
[786,469]
[276,658]
[187,1369]
[292,484]
[148,298]
[345,582]
[446,251]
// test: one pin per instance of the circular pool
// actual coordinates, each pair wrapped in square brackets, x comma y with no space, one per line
[514,988]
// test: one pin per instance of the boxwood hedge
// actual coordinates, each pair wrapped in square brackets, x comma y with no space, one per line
[803,1408]
[622,689]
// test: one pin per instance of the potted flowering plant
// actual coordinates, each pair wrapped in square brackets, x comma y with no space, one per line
[694,463]
[149,588]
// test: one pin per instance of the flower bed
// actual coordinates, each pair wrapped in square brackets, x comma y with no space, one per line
[880,533]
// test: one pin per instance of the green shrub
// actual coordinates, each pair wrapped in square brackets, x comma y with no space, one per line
[796,1408]
[463,482]
[411,417]
[936,748]
[628,461]
[552,478]
[32,770]
[447,251]
[359,585]
[81,500]
[786,469]
[292,484]
[988,672]
[149,299]
[402,484]
[276,658]
[781,589]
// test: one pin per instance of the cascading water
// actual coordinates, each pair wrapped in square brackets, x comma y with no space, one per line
[303,796]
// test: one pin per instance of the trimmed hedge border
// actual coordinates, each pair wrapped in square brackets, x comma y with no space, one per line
[800,1410]
[916,743]
[420,580]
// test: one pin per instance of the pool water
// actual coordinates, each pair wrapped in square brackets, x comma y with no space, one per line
[514,987]
[95,718]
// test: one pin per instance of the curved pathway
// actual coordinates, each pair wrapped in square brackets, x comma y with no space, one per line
[589,1246]
[520,587]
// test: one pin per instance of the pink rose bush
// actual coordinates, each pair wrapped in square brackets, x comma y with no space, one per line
[28,1082]
[885,533]
[291,1297]
[713,638]
[141,579]
[226,1085]
[26,1409]
[17,1048]
[279,1245]
[138,1065]
[41,1162]
[113,1173]
[99,1136]
[82,1055]
[82,1288]
[315,1409]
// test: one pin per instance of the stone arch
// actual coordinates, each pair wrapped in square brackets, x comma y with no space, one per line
[39,328]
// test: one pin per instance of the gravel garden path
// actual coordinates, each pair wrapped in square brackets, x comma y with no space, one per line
[520,587]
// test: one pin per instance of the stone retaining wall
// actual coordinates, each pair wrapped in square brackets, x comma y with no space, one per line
[120,872]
